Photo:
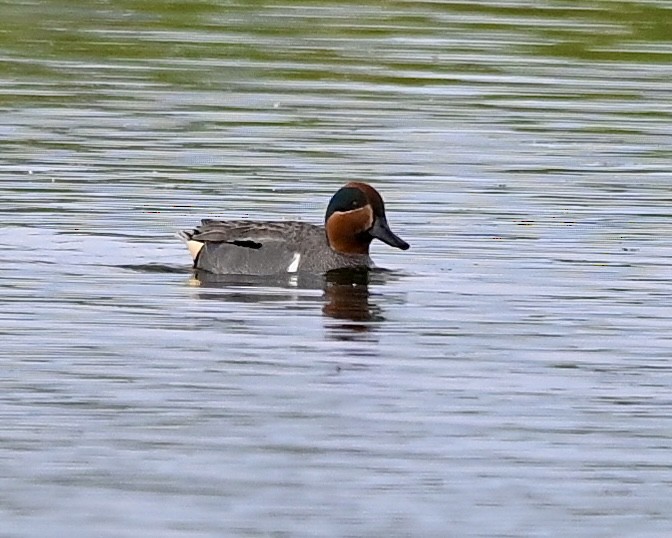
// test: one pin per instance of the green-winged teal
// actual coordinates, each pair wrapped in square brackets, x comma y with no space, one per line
[355,216]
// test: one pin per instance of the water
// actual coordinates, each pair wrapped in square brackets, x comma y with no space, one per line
[509,376]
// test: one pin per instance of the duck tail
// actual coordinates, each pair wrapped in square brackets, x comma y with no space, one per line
[193,245]
[185,235]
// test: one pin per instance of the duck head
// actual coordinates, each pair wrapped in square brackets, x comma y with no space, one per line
[355,217]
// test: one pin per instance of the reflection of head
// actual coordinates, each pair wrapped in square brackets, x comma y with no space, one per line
[347,296]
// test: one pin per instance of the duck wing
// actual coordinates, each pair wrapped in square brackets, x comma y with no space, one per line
[231,231]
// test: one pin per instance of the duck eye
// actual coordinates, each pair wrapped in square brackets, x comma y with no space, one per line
[354,203]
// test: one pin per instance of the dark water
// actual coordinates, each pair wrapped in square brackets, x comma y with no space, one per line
[509,376]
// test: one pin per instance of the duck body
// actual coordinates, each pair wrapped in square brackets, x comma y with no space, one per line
[355,216]
[267,248]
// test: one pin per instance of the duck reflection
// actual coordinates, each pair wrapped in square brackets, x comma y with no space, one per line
[255,289]
[346,292]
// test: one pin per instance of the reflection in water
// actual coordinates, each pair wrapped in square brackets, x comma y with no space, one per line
[254,289]
[346,292]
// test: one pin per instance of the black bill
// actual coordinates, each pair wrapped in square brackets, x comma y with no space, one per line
[381,230]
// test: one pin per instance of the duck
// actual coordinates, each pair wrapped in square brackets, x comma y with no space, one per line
[355,216]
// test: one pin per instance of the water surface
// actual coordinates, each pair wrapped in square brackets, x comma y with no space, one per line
[508,376]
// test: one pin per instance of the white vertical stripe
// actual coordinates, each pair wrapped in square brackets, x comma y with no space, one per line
[294,266]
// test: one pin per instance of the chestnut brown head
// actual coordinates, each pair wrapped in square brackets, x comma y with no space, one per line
[355,216]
